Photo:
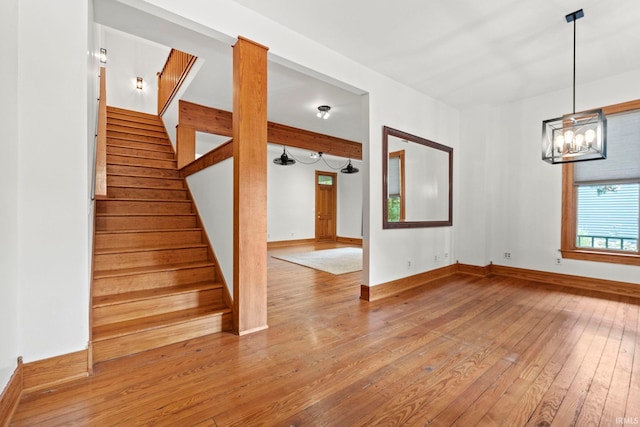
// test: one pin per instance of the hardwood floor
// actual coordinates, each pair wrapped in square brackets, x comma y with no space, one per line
[464,351]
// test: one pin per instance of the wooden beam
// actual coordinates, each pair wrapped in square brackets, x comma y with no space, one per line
[185,145]
[249,186]
[300,138]
[219,122]
[218,154]
[205,119]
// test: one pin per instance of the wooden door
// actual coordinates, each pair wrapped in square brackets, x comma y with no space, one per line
[326,206]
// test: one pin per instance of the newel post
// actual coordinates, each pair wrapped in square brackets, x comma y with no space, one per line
[250,186]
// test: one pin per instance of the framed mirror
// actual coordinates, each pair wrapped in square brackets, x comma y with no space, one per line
[417,181]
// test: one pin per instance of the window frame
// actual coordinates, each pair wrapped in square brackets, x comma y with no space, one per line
[400,155]
[568,238]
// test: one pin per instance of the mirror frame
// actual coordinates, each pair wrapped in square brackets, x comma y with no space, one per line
[386,132]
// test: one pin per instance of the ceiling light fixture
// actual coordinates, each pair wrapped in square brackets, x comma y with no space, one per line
[287,159]
[103,55]
[349,168]
[578,136]
[284,159]
[323,112]
[139,83]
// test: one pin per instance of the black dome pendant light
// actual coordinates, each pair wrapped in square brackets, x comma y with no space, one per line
[349,168]
[283,160]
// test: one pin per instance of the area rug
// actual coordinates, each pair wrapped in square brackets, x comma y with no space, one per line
[334,261]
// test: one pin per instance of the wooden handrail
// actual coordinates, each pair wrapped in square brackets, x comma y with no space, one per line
[100,189]
[173,73]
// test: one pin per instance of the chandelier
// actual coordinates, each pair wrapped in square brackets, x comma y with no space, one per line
[578,136]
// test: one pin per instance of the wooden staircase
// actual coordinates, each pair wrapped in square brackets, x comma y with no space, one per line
[154,275]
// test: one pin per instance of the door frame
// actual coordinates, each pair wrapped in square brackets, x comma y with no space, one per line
[334,204]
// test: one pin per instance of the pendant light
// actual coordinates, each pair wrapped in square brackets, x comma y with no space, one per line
[349,168]
[578,136]
[283,160]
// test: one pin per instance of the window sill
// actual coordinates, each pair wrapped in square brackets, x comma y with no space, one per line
[601,256]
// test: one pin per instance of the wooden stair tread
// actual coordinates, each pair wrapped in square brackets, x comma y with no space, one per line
[134,156]
[158,230]
[149,248]
[151,148]
[161,170]
[145,139]
[118,272]
[120,140]
[131,112]
[137,199]
[168,178]
[100,214]
[145,187]
[137,121]
[114,330]
[137,125]
[111,162]
[106,300]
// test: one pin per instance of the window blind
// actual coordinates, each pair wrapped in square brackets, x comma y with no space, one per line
[394,176]
[623,153]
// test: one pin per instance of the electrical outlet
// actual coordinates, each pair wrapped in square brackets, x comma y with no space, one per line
[558,261]
[446,255]
[436,258]
[507,255]
[408,263]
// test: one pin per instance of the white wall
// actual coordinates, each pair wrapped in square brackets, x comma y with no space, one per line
[350,203]
[291,197]
[9,132]
[52,251]
[130,57]
[212,190]
[526,193]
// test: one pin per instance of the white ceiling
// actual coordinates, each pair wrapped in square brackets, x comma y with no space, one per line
[470,52]
[462,52]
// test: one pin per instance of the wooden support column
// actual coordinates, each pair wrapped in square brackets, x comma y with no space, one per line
[185,145]
[249,186]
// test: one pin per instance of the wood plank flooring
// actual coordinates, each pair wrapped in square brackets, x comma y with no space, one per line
[464,351]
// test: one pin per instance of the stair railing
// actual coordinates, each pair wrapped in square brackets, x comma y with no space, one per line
[173,73]
[100,176]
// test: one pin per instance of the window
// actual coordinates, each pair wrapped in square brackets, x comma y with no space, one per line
[396,187]
[600,203]
[325,179]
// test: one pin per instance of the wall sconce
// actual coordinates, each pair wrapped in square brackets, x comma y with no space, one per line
[139,83]
[103,55]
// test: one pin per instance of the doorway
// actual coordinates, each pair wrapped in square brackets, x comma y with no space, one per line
[326,206]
